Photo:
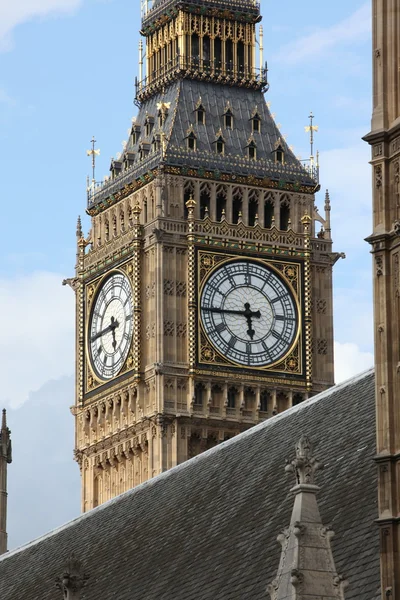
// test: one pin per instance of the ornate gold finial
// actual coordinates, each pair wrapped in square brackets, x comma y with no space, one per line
[93,153]
[190,205]
[136,210]
[223,215]
[306,222]
[311,129]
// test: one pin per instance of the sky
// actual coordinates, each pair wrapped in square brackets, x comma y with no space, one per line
[67,70]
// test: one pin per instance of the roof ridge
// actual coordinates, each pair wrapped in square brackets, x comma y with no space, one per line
[187,464]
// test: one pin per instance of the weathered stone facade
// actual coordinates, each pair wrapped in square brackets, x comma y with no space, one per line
[384,139]
[180,201]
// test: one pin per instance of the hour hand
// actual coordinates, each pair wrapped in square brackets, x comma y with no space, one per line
[112,327]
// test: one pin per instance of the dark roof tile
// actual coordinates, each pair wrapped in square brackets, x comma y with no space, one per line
[207,529]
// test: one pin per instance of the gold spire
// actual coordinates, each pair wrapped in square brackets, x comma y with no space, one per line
[311,129]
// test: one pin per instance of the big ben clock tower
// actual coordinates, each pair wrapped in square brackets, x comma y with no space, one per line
[203,294]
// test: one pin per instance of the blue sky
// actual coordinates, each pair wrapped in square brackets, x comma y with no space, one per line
[67,70]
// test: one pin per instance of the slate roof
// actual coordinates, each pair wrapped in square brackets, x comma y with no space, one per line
[207,529]
[183,96]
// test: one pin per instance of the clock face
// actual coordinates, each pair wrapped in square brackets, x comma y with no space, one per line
[110,326]
[248,313]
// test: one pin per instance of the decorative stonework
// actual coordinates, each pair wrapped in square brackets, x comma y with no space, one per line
[306,568]
[73,580]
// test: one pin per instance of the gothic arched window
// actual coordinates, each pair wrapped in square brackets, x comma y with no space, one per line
[285,215]
[268,213]
[201,115]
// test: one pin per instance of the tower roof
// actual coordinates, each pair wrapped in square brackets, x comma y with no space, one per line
[207,528]
[182,99]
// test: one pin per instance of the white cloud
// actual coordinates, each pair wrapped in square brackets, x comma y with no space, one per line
[356,27]
[350,360]
[20,11]
[37,334]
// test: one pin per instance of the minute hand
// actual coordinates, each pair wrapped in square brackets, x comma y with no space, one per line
[243,313]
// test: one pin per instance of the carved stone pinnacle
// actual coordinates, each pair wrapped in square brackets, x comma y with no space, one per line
[73,580]
[304,465]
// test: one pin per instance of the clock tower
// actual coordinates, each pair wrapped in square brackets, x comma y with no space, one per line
[203,293]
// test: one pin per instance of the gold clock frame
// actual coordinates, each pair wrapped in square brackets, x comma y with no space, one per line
[288,271]
[92,292]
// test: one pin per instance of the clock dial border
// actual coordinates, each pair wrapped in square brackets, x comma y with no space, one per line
[291,274]
[93,380]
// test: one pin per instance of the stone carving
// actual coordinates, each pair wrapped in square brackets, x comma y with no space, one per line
[169,328]
[169,287]
[181,288]
[181,329]
[321,306]
[322,347]
[73,580]
[304,465]
[378,176]
[378,266]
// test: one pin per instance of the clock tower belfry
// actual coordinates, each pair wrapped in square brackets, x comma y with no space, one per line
[203,294]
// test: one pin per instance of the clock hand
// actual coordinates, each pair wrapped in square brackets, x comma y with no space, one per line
[225,310]
[112,327]
[247,313]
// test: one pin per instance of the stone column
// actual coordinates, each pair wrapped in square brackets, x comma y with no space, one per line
[5,460]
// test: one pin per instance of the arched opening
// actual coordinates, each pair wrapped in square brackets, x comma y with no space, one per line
[236,207]
[218,53]
[199,394]
[285,216]
[240,58]
[220,146]
[145,211]
[221,206]
[282,402]
[204,204]
[268,213]
[249,399]
[229,54]
[253,210]
[217,397]
[206,51]
[232,393]
[195,49]
[265,401]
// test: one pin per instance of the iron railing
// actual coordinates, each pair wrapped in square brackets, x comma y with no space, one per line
[205,70]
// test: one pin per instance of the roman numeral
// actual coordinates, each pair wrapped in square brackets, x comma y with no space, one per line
[220,327]
[232,342]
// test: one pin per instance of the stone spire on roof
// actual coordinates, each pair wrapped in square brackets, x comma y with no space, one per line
[306,568]
[73,580]
[5,459]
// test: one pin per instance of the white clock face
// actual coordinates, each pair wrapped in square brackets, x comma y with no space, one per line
[111,326]
[248,313]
